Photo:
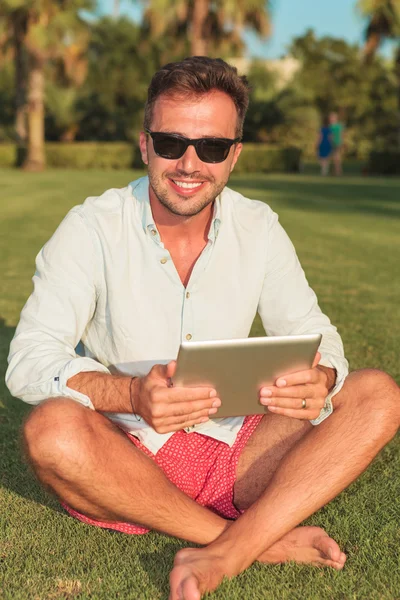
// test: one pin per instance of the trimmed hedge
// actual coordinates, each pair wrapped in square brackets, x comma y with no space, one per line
[384,163]
[7,155]
[262,158]
[255,158]
[80,155]
[90,155]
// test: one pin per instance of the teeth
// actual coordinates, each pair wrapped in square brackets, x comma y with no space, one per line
[185,184]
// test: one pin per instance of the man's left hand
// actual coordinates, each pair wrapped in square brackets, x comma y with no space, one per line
[300,395]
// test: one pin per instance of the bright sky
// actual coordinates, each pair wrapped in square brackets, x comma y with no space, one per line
[290,18]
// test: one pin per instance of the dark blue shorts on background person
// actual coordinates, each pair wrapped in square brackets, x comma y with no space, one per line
[325,146]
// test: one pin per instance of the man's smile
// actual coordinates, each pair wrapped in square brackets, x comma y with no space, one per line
[185,187]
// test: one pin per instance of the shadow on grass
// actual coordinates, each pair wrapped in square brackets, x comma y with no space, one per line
[15,474]
[370,197]
[158,564]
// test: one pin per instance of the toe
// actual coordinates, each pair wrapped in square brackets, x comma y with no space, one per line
[183,584]
[328,548]
[190,589]
[342,559]
[331,563]
[335,564]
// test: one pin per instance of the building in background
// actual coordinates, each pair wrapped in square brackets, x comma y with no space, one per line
[284,69]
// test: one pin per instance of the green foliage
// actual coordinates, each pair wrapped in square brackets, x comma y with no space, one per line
[114,94]
[7,155]
[264,114]
[383,15]
[300,125]
[61,104]
[384,163]
[330,71]
[90,155]
[81,155]
[262,158]
[263,81]
[215,28]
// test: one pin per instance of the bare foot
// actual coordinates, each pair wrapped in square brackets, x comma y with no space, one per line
[306,545]
[195,572]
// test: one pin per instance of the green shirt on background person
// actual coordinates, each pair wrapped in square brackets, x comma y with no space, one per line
[337,134]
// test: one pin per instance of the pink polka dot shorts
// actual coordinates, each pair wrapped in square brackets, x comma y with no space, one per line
[202,467]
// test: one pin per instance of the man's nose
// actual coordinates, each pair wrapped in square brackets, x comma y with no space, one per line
[189,162]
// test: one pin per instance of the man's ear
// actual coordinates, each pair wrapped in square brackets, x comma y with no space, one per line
[236,154]
[143,147]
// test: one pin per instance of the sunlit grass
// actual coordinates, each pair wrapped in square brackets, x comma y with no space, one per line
[346,232]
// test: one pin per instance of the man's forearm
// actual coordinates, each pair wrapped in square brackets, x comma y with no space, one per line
[108,393]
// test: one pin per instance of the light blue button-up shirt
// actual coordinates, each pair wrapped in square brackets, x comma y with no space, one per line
[106,279]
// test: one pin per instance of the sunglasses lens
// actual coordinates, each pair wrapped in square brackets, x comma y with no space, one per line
[213,151]
[172,147]
[168,146]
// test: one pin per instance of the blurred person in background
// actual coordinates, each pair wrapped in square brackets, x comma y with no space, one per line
[325,146]
[337,131]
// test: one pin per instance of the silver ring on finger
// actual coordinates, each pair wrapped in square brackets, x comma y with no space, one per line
[304,403]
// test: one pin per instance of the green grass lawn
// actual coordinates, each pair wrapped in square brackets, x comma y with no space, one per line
[347,234]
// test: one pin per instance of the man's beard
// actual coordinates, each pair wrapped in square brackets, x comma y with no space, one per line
[189,207]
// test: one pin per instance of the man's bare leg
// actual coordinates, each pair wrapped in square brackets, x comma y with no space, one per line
[337,160]
[313,472]
[266,448]
[91,465]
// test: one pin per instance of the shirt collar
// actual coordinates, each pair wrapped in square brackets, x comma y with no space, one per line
[140,189]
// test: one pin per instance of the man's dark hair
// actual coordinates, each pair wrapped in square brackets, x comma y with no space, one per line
[195,76]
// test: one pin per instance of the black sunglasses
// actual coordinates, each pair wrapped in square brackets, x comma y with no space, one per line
[173,146]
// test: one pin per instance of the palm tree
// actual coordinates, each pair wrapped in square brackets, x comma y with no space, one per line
[65,78]
[383,22]
[210,25]
[42,30]
[21,70]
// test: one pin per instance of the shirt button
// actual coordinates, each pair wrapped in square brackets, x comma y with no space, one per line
[153,232]
[187,295]
[189,336]
[163,261]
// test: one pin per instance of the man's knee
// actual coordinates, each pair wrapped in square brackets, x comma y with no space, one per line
[374,391]
[56,432]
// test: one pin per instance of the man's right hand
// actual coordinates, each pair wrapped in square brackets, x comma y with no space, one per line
[167,408]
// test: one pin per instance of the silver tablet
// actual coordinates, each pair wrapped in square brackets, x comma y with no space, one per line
[237,369]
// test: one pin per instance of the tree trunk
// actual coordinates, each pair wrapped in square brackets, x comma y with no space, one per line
[199,41]
[35,160]
[371,46]
[21,74]
[69,134]
[397,71]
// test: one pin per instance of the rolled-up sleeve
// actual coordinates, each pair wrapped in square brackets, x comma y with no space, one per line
[42,353]
[288,306]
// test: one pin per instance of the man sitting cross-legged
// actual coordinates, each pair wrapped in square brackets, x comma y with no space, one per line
[177,255]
